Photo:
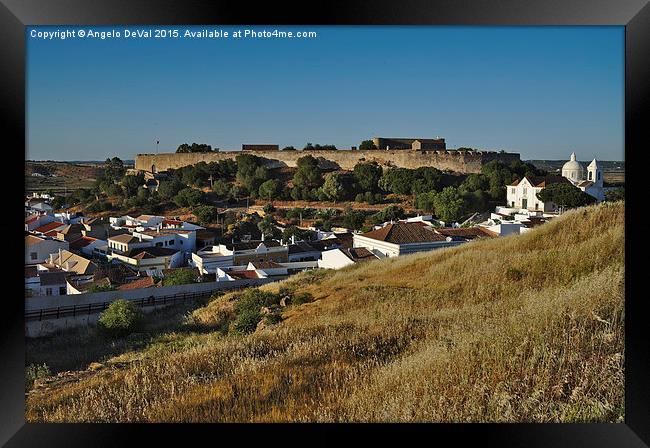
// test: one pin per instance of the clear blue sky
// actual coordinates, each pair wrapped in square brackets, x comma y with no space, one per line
[539,91]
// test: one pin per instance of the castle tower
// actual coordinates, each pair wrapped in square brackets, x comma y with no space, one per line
[595,174]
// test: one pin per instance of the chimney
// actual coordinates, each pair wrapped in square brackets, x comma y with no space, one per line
[60,257]
[67,265]
[262,236]
[293,239]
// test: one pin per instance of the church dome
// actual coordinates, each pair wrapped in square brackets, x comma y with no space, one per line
[573,170]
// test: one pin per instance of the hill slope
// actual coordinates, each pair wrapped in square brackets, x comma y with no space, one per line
[522,328]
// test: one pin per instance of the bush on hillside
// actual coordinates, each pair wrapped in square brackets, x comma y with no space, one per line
[121,318]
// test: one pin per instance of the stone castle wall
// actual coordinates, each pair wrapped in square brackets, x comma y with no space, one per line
[458,161]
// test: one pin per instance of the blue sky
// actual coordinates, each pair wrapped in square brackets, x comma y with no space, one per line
[540,91]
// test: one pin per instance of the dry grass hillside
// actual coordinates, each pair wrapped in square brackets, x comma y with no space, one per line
[525,328]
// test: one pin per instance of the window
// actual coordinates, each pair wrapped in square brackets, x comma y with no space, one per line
[62,290]
[181,242]
[33,255]
[598,175]
[590,175]
[171,242]
[158,244]
[525,190]
[48,291]
[513,190]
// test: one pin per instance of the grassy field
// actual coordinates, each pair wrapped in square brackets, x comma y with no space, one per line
[526,328]
[67,176]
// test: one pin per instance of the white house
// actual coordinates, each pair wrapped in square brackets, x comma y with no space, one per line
[341,257]
[209,259]
[402,238]
[522,194]
[36,220]
[151,260]
[38,249]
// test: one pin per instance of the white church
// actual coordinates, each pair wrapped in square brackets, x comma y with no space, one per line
[522,194]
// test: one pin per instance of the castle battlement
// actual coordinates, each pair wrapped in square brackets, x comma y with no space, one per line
[458,161]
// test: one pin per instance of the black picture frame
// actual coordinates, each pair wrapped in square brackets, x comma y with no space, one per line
[633,14]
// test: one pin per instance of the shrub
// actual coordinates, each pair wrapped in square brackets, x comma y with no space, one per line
[120,318]
[180,277]
[273,318]
[247,309]
[300,298]
[34,372]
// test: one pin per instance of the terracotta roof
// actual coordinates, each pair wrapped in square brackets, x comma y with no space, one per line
[359,254]
[48,227]
[243,274]
[125,238]
[81,242]
[405,233]
[52,233]
[144,282]
[172,222]
[585,183]
[117,272]
[30,240]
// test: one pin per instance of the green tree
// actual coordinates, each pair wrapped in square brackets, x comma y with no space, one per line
[397,180]
[131,183]
[194,147]
[206,214]
[101,288]
[268,227]
[189,197]
[170,188]
[367,176]
[448,204]
[308,175]
[180,277]
[390,213]
[333,188]
[425,201]
[367,145]
[120,318]
[270,189]
[353,219]
[565,195]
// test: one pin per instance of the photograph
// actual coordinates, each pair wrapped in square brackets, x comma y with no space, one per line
[324,224]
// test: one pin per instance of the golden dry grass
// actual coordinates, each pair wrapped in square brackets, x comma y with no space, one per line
[525,328]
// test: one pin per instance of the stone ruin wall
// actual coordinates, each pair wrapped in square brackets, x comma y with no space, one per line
[458,161]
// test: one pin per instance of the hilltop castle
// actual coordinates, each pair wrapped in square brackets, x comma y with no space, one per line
[391,152]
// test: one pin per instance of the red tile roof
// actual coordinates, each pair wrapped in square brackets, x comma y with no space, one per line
[144,282]
[82,242]
[49,227]
[405,233]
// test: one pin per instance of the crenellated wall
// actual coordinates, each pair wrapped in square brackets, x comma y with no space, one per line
[458,161]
